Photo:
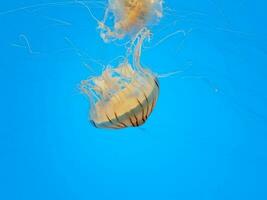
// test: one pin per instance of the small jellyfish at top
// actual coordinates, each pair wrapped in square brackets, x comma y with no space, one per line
[127,17]
[123,96]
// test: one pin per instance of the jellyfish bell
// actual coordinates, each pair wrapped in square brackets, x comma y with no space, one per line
[125,99]
[128,17]
[123,96]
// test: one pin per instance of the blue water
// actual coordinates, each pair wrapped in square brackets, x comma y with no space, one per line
[206,139]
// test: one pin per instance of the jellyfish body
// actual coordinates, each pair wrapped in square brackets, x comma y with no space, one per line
[129,16]
[126,95]
[123,96]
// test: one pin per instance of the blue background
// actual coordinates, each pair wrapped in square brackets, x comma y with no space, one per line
[206,138]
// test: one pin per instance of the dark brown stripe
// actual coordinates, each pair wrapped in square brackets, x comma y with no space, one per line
[116,125]
[119,120]
[156,82]
[93,123]
[136,120]
[131,121]
[141,105]
[147,106]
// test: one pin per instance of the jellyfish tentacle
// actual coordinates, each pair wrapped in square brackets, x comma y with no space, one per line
[138,48]
[166,75]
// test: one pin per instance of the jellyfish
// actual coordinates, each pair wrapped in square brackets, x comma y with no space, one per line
[123,96]
[128,17]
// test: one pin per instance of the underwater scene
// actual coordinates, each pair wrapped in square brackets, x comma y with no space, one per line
[133,100]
